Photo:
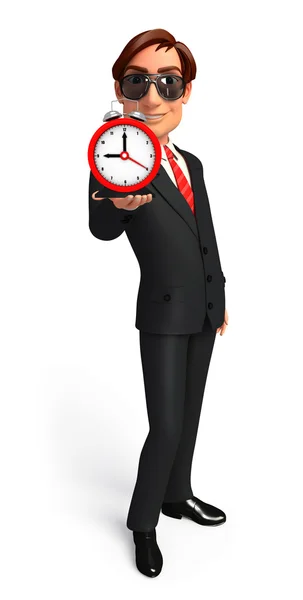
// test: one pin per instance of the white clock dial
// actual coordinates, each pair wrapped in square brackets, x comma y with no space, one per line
[122,170]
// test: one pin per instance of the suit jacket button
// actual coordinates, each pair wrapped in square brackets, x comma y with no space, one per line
[126,218]
[166,297]
[205,249]
[210,305]
[209,278]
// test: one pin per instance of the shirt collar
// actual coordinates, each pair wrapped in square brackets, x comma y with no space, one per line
[171,146]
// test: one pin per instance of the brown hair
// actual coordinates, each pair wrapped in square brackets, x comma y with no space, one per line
[148,38]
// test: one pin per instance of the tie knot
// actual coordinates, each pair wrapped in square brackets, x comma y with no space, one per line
[169,153]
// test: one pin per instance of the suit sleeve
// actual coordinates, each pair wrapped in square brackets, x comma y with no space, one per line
[209,209]
[106,221]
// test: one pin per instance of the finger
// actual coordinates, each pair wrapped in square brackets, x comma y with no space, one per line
[129,198]
[135,201]
[94,197]
[122,198]
[120,202]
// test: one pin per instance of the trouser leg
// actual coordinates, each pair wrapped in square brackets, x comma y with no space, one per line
[164,372]
[200,347]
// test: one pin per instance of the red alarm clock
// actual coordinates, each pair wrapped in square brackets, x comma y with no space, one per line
[124,154]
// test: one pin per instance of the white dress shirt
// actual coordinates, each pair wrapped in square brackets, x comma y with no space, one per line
[178,158]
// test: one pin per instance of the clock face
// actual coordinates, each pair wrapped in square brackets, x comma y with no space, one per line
[125,154]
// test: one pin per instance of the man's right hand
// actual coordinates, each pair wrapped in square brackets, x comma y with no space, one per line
[128,202]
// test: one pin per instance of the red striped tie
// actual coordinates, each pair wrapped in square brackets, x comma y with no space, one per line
[182,183]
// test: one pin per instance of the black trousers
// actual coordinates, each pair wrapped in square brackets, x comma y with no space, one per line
[175,370]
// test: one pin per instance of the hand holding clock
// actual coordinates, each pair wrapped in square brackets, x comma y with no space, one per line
[129,202]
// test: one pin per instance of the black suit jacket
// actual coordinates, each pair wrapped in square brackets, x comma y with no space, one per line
[181,276]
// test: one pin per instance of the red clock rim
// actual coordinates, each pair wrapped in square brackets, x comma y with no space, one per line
[151,135]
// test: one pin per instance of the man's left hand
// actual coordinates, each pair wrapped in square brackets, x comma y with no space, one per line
[224,324]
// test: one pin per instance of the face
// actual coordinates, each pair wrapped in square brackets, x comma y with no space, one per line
[169,111]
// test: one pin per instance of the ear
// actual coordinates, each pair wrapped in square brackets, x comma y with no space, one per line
[118,92]
[187,93]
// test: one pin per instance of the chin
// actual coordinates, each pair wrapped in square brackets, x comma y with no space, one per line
[162,129]
[158,129]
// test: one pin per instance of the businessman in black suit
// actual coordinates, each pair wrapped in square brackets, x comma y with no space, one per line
[181,297]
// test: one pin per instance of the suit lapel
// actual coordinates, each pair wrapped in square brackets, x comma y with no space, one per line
[169,191]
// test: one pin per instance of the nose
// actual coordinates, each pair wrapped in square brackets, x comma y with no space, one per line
[152,97]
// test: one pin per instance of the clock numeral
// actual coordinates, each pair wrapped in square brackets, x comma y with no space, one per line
[124,180]
[102,168]
[111,176]
[138,177]
[124,128]
[102,142]
[137,132]
[147,141]
[150,156]
[111,133]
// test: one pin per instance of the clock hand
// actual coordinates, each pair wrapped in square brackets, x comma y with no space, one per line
[125,156]
[137,163]
[124,136]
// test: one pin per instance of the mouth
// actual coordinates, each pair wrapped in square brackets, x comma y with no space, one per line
[154,117]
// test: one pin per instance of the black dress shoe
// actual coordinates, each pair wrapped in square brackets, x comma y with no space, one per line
[149,559]
[196,510]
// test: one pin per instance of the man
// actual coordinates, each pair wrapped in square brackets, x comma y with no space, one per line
[181,298]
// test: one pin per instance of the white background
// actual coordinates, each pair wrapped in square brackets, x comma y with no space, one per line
[73,415]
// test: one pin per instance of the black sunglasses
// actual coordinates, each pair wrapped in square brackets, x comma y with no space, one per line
[136,85]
